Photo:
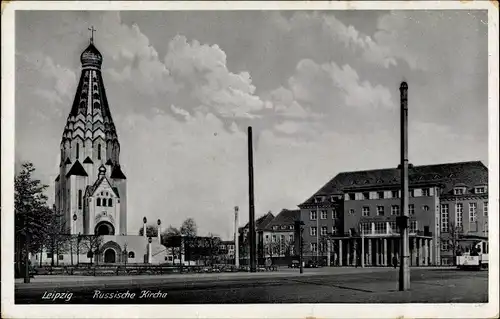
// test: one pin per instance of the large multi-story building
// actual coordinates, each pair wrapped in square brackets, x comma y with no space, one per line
[363,205]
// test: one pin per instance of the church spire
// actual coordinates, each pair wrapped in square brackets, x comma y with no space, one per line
[90,131]
[92,30]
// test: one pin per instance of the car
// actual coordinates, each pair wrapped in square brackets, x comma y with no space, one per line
[312,264]
[294,264]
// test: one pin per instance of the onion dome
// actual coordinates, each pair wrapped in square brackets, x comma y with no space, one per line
[91,57]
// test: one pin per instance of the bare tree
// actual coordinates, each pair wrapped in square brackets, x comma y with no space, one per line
[151,231]
[189,228]
[452,238]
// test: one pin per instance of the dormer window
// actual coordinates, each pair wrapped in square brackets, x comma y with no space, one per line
[459,190]
[480,190]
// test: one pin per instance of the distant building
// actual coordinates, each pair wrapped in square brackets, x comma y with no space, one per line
[442,197]
[260,225]
[278,236]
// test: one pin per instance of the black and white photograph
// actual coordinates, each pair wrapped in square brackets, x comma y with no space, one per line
[339,155]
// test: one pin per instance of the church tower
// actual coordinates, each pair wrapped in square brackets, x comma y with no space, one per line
[90,191]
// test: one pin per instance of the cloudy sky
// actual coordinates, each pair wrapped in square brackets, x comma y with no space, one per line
[319,88]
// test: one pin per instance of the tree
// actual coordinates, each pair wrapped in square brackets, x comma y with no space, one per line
[452,238]
[56,235]
[31,214]
[189,228]
[91,245]
[151,231]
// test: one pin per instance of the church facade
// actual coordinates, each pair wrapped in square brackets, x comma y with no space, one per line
[91,188]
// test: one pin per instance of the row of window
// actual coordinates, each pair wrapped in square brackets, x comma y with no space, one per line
[313,231]
[417,192]
[282,238]
[104,202]
[313,215]
[459,211]
[463,190]
[385,227]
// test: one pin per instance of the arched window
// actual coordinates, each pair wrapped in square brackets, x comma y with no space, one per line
[99,151]
[131,254]
[104,202]
[98,202]
[80,197]
[77,150]
[110,202]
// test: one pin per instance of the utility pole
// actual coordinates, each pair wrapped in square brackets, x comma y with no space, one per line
[252,235]
[317,234]
[362,246]
[236,238]
[404,267]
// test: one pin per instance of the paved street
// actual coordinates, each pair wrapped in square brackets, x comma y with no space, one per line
[327,285]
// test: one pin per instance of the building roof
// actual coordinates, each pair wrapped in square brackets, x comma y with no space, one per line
[87,160]
[285,217]
[447,176]
[261,222]
[117,173]
[77,169]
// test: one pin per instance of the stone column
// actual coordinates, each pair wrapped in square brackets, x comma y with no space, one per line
[328,253]
[412,252]
[431,248]
[340,252]
[370,260]
[424,251]
[419,251]
[348,248]
[385,259]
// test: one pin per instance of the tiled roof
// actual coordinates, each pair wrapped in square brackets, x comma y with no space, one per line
[285,217]
[90,190]
[261,222]
[445,175]
[117,173]
[77,169]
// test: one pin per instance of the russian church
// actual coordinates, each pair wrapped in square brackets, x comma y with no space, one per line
[91,188]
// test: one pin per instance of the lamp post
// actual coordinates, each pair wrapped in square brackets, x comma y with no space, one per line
[78,249]
[236,238]
[71,237]
[149,250]
[159,231]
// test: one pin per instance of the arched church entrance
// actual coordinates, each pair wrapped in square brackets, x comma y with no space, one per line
[110,256]
[104,228]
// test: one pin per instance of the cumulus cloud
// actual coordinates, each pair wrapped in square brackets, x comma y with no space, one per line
[203,68]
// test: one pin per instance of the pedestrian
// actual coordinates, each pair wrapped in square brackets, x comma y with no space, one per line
[395,261]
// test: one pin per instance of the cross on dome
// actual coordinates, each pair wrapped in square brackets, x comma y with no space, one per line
[91,29]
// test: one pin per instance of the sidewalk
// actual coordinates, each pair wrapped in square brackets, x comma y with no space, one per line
[68,280]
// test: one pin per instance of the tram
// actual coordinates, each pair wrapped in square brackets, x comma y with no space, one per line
[473,254]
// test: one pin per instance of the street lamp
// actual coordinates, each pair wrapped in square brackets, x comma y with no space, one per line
[71,237]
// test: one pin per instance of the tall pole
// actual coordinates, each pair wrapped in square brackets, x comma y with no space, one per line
[236,238]
[159,231]
[362,246]
[252,234]
[404,267]
[317,234]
